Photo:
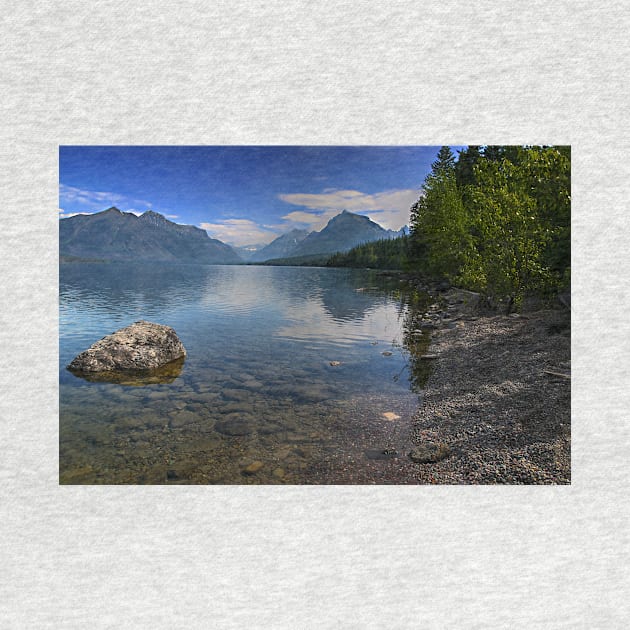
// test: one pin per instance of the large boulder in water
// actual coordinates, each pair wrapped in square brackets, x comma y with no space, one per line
[141,346]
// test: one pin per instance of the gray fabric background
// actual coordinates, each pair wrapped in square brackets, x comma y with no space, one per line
[334,72]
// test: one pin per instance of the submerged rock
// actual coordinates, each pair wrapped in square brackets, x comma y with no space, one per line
[235,424]
[141,346]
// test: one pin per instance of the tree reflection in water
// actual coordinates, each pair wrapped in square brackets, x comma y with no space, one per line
[415,341]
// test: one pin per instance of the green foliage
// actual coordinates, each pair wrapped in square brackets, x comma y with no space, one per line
[550,180]
[498,220]
[511,236]
[382,254]
[440,224]
[464,168]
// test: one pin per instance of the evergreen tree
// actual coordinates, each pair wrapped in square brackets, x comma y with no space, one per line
[440,231]
[493,152]
[383,254]
[445,161]
[466,162]
[497,220]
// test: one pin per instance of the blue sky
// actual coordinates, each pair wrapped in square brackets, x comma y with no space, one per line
[246,195]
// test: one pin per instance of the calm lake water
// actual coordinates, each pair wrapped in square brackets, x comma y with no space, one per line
[257,399]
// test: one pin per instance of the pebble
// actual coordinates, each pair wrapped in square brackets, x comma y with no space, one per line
[429,453]
[253,468]
[390,415]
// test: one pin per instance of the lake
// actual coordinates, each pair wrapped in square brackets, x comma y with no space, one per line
[256,399]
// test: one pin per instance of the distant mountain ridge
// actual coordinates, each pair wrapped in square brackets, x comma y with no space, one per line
[123,236]
[280,247]
[343,232]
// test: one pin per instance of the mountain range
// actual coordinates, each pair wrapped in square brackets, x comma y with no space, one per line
[343,232]
[123,236]
[280,247]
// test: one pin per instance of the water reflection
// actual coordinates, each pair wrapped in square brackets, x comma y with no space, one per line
[353,297]
[135,378]
[285,380]
[120,287]
[415,341]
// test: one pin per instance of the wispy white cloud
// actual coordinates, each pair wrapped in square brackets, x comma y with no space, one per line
[64,215]
[97,200]
[389,208]
[239,232]
[299,216]
[91,201]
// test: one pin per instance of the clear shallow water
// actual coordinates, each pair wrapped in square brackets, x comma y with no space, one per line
[256,400]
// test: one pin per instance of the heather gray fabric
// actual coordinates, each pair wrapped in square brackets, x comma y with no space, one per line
[297,72]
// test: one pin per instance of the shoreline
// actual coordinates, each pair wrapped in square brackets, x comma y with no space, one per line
[498,397]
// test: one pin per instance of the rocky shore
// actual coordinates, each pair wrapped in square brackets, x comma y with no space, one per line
[497,405]
[494,410]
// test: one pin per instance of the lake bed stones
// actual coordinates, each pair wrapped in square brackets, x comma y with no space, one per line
[235,424]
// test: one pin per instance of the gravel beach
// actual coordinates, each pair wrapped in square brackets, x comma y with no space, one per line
[499,399]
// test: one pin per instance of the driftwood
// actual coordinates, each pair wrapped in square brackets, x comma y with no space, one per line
[561,374]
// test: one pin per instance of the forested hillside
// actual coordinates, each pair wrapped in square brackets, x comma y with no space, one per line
[383,254]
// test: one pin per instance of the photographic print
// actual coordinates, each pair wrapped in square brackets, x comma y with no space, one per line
[314,314]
